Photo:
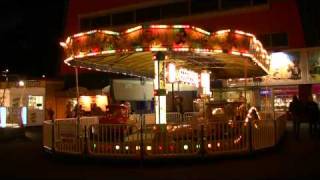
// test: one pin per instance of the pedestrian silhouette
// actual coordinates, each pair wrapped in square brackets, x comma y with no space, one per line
[295,110]
[312,113]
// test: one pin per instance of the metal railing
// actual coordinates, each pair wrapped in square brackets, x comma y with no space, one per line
[113,140]
[154,140]
[224,137]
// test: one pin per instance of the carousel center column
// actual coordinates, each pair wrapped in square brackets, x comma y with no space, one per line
[160,88]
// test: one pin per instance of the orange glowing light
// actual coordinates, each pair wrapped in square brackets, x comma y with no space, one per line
[181,26]
[133,29]
[159,26]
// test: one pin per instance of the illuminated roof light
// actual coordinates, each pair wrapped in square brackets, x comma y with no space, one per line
[247,54]
[185,147]
[68,40]
[209,145]
[91,32]
[62,44]
[137,148]
[198,146]
[139,49]
[159,26]
[244,33]
[222,31]
[108,52]
[149,148]
[181,26]
[181,49]
[217,51]
[235,53]
[158,49]
[117,147]
[239,32]
[78,35]
[110,32]
[133,29]
[127,147]
[249,34]
[80,55]
[92,54]
[198,50]
[201,30]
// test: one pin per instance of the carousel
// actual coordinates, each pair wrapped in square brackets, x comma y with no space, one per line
[167,54]
[173,53]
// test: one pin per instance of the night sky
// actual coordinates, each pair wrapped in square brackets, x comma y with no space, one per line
[31,31]
[30,34]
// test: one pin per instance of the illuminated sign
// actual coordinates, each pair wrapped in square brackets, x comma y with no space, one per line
[188,76]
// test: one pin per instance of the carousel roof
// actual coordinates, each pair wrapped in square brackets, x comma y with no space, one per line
[227,53]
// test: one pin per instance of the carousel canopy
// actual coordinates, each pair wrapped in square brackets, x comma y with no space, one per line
[226,53]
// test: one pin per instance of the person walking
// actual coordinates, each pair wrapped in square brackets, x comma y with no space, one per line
[312,113]
[295,110]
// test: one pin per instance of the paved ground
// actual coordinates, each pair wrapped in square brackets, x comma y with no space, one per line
[23,158]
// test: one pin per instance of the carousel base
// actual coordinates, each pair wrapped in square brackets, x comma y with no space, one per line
[11,131]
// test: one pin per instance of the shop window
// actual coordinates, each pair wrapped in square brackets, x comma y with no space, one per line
[148,14]
[174,10]
[258,2]
[274,39]
[231,4]
[204,6]
[123,18]
[35,102]
[100,22]
[85,24]
[279,39]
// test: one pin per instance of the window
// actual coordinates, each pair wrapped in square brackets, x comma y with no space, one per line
[174,10]
[199,6]
[230,4]
[279,39]
[123,18]
[100,22]
[85,24]
[258,2]
[274,40]
[35,102]
[147,14]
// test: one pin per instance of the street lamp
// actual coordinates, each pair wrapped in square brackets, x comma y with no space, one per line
[21,83]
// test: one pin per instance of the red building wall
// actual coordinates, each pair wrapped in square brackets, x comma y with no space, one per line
[280,16]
